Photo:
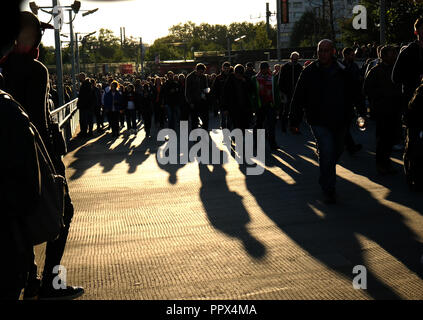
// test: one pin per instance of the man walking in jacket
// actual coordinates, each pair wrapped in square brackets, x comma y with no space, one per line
[386,97]
[195,92]
[288,77]
[408,69]
[325,91]
[264,86]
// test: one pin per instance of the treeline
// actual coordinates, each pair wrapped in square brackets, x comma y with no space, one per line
[181,43]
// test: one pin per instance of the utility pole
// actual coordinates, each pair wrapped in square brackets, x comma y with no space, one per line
[324,10]
[59,66]
[229,48]
[141,55]
[121,39]
[72,56]
[278,36]
[382,22]
[77,53]
[268,19]
[332,26]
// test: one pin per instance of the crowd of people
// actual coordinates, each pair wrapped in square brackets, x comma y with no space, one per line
[328,93]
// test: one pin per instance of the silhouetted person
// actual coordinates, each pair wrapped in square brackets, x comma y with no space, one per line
[27,80]
[325,91]
[263,100]
[288,77]
[350,66]
[195,94]
[386,100]
[408,69]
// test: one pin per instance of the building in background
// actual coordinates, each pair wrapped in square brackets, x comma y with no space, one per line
[321,8]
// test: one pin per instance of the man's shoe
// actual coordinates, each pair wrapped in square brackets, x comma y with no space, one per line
[32,289]
[69,293]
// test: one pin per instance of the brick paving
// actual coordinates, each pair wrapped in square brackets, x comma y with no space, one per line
[142,230]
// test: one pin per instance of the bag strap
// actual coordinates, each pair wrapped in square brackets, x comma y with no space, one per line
[43,148]
[37,136]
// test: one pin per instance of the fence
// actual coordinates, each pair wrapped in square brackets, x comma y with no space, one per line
[67,116]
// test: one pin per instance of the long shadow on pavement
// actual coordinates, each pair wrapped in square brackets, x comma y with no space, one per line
[331,233]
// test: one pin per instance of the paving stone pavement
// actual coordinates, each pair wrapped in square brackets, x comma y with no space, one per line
[142,230]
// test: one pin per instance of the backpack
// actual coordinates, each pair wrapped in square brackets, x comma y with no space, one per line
[45,221]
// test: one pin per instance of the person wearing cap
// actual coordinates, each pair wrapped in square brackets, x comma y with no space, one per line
[263,99]
[19,158]
[325,91]
[27,80]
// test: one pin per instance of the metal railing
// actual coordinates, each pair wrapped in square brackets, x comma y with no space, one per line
[67,116]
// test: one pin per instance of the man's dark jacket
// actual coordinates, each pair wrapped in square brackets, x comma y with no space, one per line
[194,87]
[26,79]
[384,94]
[327,95]
[408,69]
[288,77]
[171,92]
[86,97]
[218,88]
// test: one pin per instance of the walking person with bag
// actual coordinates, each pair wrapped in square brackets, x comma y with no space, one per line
[326,94]
[26,79]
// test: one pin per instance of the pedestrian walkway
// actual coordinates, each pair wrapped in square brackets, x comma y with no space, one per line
[146,231]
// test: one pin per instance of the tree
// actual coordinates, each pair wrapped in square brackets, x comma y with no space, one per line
[400,18]
[309,30]
[46,55]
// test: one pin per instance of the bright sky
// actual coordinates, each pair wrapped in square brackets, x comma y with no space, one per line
[151,19]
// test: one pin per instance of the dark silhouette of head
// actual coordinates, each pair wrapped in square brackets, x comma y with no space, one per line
[10,27]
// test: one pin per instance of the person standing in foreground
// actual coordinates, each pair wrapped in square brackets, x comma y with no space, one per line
[408,69]
[27,80]
[326,92]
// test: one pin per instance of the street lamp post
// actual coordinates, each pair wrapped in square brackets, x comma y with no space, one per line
[72,56]
[278,22]
[58,46]
[77,52]
[229,49]
[59,66]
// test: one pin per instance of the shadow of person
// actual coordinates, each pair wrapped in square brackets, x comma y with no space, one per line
[333,234]
[225,210]
[137,155]
[173,168]
[364,164]
[87,153]
[98,151]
